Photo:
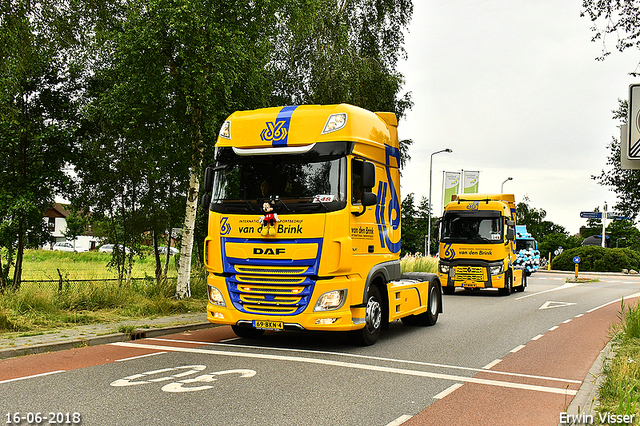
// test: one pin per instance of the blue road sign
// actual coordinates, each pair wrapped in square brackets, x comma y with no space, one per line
[576,259]
[591,215]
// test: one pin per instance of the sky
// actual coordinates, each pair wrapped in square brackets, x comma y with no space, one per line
[513,88]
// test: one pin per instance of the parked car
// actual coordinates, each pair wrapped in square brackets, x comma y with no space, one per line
[108,248]
[172,250]
[67,246]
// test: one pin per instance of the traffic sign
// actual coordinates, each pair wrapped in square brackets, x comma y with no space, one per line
[616,216]
[576,259]
[633,141]
[591,215]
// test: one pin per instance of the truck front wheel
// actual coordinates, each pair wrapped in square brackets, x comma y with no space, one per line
[507,285]
[369,334]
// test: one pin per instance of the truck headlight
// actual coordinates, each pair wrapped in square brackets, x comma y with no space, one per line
[331,300]
[215,296]
[496,270]
[444,269]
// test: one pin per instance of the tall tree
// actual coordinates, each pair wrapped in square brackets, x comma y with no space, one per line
[618,18]
[36,124]
[623,182]
[343,51]
[169,72]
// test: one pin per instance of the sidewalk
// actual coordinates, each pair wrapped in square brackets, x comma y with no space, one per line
[98,334]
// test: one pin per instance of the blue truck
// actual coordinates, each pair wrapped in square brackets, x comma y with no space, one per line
[528,255]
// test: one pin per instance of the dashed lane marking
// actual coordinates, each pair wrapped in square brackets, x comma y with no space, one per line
[399,420]
[492,364]
[516,349]
[546,389]
[448,390]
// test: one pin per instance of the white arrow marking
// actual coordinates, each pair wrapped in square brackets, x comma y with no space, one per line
[551,305]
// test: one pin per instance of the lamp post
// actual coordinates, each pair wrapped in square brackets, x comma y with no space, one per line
[428,242]
[502,186]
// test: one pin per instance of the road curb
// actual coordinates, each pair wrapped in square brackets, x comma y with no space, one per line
[586,400]
[138,333]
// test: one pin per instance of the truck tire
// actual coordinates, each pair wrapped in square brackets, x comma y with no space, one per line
[247,332]
[369,334]
[507,285]
[524,284]
[430,317]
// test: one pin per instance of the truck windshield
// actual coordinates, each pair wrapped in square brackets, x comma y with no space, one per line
[311,182]
[472,227]
[525,245]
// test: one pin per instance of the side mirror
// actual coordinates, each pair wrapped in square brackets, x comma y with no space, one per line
[511,233]
[369,199]
[205,202]
[368,175]
[208,179]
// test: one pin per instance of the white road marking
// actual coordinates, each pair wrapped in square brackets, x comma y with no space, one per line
[492,364]
[376,358]
[567,321]
[448,390]
[550,305]
[614,301]
[31,377]
[562,287]
[579,315]
[139,356]
[399,420]
[538,337]
[554,327]
[561,391]
[516,349]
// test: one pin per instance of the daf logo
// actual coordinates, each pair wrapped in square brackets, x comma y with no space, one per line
[269,251]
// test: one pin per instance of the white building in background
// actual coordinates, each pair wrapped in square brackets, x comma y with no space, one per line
[56,218]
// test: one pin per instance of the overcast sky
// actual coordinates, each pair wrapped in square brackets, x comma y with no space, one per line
[513,88]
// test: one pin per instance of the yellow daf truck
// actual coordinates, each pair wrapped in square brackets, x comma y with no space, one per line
[477,244]
[304,225]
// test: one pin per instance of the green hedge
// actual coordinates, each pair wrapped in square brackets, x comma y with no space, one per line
[598,259]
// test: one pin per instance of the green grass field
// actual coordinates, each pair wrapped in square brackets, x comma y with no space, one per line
[41,304]
[44,265]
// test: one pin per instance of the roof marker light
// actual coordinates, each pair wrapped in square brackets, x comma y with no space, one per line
[225,130]
[335,122]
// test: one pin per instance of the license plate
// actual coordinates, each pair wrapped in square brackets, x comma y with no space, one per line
[268,325]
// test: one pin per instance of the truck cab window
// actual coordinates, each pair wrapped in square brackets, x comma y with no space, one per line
[356,181]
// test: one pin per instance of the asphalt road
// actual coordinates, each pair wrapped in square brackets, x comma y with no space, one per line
[489,360]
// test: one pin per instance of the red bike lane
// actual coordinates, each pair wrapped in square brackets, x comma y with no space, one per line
[560,358]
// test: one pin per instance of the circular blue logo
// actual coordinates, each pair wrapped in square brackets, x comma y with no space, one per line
[576,259]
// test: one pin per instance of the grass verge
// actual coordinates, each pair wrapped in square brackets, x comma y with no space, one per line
[39,307]
[619,392]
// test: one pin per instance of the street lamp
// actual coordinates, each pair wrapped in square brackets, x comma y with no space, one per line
[428,242]
[502,186]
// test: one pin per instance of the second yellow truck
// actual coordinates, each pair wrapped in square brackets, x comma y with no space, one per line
[477,244]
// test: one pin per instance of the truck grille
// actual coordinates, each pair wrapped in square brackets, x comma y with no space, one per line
[271,286]
[470,273]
